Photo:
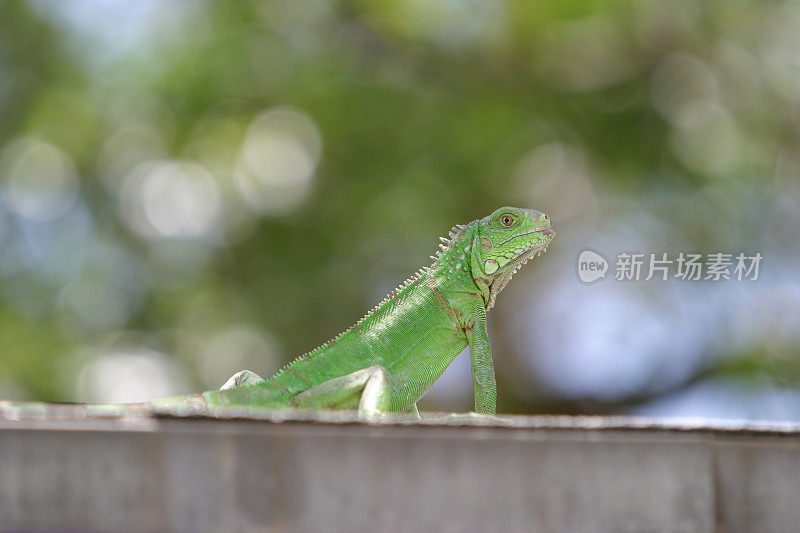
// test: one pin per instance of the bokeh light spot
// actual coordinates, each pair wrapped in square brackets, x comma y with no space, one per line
[557,175]
[38,180]
[234,348]
[96,304]
[130,374]
[275,168]
[684,90]
[171,199]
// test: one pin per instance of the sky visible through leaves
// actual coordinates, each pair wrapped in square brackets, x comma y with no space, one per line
[188,189]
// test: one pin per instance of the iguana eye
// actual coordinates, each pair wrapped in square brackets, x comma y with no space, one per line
[506,220]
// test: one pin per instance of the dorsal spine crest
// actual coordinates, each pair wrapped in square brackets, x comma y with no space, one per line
[454,235]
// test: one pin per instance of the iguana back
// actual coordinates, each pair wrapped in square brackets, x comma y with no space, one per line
[410,338]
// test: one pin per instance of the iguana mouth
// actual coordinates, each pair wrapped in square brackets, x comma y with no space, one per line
[543,231]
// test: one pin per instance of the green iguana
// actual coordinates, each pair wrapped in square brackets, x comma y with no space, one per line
[390,358]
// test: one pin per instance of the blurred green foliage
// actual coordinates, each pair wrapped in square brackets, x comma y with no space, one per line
[252,176]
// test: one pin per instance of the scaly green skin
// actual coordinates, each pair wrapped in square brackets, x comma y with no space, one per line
[407,341]
[390,358]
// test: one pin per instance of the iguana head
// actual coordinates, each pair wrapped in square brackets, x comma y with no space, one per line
[503,242]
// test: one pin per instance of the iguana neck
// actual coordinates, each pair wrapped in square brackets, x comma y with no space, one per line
[454,267]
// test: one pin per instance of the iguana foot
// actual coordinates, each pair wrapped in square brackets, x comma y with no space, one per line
[240,379]
[413,412]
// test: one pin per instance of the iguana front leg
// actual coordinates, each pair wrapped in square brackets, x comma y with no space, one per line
[367,389]
[482,367]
